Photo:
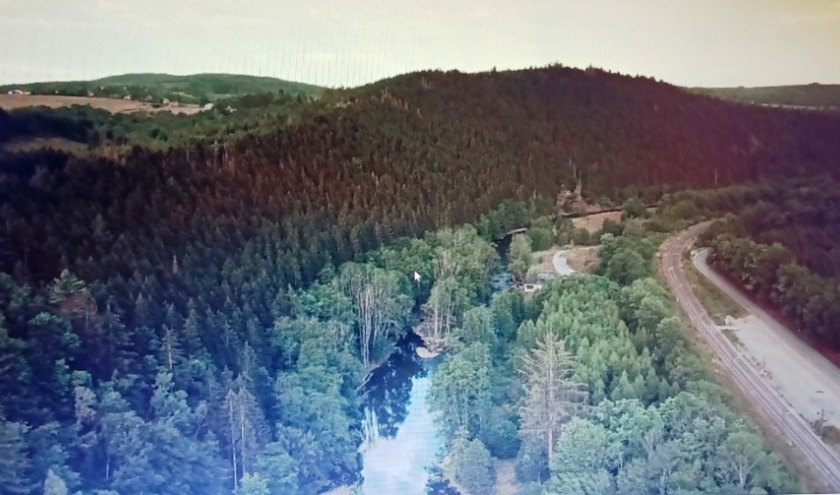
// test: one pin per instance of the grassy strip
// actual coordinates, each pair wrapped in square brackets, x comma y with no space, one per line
[730,334]
[717,304]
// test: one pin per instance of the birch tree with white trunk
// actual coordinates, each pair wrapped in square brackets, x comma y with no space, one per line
[380,307]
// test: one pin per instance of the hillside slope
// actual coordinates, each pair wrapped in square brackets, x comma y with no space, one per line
[194,88]
[417,152]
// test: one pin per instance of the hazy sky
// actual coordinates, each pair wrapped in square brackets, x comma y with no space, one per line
[350,42]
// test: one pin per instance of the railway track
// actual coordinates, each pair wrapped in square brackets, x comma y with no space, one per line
[824,462]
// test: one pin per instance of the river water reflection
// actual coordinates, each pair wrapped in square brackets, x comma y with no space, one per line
[401,442]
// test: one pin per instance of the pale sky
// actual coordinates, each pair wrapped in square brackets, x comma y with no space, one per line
[351,42]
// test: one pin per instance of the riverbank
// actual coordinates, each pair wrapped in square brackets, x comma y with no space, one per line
[425,353]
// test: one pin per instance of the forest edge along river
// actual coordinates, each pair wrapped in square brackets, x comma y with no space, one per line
[402,447]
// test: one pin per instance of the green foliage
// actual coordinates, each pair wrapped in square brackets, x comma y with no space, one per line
[500,434]
[541,238]
[633,208]
[520,256]
[626,266]
[407,256]
[460,391]
[785,251]
[665,427]
[186,89]
[279,470]
[14,462]
[477,327]
[531,463]
[507,216]
[252,484]
[625,259]
[563,230]
[581,237]
[472,465]
[580,465]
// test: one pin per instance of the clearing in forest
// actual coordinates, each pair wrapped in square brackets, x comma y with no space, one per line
[12,102]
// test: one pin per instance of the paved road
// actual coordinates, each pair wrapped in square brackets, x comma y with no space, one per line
[805,378]
[561,263]
[823,461]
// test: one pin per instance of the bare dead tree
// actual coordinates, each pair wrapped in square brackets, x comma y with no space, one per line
[551,396]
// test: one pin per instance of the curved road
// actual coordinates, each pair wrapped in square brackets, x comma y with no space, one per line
[804,377]
[823,461]
[561,263]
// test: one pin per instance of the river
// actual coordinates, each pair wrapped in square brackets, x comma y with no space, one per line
[402,444]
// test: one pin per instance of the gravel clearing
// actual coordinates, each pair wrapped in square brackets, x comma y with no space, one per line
[806,379]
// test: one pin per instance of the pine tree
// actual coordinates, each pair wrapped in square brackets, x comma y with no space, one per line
[623,389]
[54,485]
[14,463]
[472,465]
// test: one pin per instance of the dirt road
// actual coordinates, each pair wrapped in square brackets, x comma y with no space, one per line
[823,461]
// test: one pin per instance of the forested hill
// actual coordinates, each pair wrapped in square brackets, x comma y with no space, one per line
[398,157]
[186,260]
[195,88]
[614,130]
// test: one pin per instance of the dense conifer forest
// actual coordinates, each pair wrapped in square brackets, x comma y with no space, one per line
[200,318]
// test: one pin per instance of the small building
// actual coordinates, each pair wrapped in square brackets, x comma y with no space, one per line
[127,97]
[208,106]
[16,92]
[531,288]
[166,101]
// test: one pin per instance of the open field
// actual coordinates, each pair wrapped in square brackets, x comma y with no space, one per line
[542,259]
[12,102]
[583,259]
[593,223]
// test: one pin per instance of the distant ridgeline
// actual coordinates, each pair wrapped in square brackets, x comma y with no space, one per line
[806,96]
[198,88]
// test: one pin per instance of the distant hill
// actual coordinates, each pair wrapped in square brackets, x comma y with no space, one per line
[805,95]
[197,88]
